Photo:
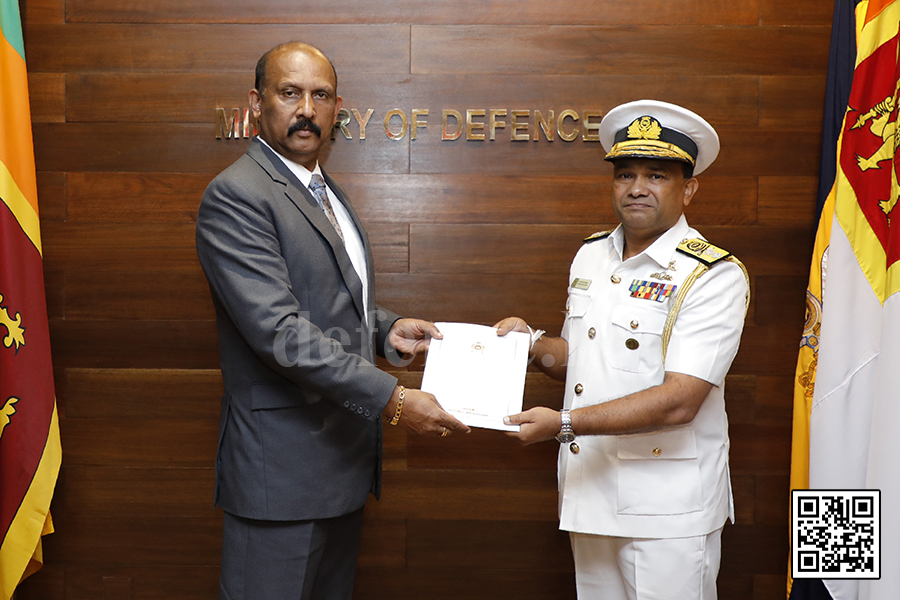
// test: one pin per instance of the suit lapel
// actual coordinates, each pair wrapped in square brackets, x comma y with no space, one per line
[370,269]
[303,199]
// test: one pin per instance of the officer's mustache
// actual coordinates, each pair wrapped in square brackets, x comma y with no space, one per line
[304,124]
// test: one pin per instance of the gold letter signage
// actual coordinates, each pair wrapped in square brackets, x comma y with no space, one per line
[477,124]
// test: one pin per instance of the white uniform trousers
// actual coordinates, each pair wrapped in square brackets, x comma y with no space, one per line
[618,568]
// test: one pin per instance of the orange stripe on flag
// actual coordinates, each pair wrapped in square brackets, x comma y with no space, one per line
[16,144]
[874,9]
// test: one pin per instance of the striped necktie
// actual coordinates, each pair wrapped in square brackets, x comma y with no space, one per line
[317,187]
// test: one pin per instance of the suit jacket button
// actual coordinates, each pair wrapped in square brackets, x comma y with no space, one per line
[368,413]
[346,404]
[657,451]
[578,389]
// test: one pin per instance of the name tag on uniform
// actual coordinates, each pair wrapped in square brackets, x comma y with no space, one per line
[581,284]
[652,290]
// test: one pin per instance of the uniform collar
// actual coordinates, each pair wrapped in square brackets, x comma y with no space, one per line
[659,251]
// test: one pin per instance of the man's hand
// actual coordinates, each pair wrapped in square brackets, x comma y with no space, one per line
[412,336]
[423,414]
[537,424]
[511,324]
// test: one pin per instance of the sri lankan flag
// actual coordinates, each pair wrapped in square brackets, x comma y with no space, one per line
[29,432]
[846,399]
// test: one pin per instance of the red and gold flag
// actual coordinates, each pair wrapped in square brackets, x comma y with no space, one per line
[846,407]
[29,432]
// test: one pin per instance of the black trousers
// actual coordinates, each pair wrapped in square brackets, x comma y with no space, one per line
[289,560]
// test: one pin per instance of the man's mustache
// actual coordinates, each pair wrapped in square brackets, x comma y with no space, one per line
[304,123]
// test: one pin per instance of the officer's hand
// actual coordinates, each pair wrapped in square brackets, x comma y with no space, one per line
[511,324]
[423,415]
[412,336]
[537,424]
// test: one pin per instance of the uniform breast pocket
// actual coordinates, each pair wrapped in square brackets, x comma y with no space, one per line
[576,307]
[635,340]
[659,473]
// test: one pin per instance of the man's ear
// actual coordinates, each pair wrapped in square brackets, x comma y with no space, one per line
[338,103]
[690,188]
[255,98]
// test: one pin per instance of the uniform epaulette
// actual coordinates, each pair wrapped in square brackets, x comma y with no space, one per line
[703,251]
[597,236]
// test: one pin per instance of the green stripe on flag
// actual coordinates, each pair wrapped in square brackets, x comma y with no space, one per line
[11,25]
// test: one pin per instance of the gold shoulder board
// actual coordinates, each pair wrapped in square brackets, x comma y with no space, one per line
[597,236]
[703,251]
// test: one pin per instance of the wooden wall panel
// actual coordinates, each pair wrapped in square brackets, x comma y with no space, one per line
[599,51]
[134,197]
[205,48]
[533,12]
[578,201]
[42,11]
[47,92]
[725,99]
[123,100]
[51,196]
[179,147]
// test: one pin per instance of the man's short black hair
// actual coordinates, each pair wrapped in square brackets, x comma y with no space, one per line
[260,83]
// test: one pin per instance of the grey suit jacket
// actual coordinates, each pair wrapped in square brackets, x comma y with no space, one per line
[300,429]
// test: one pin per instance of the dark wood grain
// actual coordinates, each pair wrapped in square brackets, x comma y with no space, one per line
[43,11]
[788,200]
[512,545]
[532,12]
[135,344]
[166,48]
[129,443]
[183,148]
[609,50]
[469,495]
[725,100]
[47,93]
[51,196]
[159,582]
[143,393]
[147,491]
[792,102]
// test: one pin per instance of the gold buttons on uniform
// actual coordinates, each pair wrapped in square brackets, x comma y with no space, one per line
[657,451]
[634,324]
[615,278]
[573,448]
[578,389]
[592,332]
[632,344]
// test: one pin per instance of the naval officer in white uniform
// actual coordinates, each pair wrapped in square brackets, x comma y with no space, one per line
[653,321]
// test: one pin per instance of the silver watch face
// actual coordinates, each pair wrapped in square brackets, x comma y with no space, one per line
[564,437]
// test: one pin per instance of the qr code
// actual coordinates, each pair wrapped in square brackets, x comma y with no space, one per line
[836,534]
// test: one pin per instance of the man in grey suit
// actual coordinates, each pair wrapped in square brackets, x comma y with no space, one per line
[290,270]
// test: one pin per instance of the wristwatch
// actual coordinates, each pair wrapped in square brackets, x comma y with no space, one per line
[566,433]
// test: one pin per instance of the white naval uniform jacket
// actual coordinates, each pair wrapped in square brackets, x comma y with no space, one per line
[673,482]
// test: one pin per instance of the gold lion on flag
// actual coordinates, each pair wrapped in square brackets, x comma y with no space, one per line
[15,333]
[884,127]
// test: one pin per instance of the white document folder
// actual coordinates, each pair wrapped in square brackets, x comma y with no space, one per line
[476,375]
